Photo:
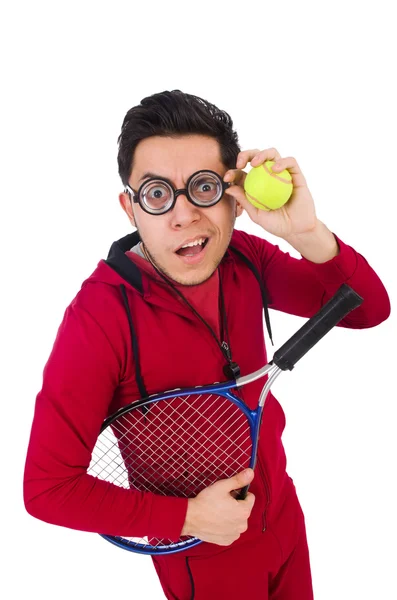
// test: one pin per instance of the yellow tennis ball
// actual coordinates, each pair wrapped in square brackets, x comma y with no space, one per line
[267,190]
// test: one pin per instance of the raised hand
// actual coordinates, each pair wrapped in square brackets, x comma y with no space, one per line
[296,217]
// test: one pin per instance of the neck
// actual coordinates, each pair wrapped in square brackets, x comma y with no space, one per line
[148,257]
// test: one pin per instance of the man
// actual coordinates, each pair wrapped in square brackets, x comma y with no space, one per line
[175,304]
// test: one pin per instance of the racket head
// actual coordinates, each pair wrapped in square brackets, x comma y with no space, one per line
[175,444]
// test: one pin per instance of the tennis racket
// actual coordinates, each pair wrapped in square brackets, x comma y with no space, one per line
[178,442]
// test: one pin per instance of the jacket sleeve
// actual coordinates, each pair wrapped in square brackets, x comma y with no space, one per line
[300,287]
[80,378]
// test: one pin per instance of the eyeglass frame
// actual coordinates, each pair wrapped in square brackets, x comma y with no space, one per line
[135,194]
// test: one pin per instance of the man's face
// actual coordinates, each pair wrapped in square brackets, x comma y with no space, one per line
[176,159]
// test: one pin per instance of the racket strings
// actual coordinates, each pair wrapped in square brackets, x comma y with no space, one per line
[179,447]
[201,442]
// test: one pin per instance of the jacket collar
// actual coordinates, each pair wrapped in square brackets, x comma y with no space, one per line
[119,261]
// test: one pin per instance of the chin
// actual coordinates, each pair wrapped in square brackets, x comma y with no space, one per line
[190,279]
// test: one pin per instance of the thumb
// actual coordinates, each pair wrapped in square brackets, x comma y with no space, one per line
[240,479]
[238,194]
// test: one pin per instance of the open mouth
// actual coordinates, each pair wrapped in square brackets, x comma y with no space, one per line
[193,248]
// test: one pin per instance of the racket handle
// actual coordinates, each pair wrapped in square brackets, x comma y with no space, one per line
[344,301]
[242,493]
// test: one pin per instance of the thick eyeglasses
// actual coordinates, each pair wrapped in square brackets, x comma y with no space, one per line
[157,196]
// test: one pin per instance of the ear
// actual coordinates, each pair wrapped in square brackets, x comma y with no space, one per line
[239,209]
[126,205]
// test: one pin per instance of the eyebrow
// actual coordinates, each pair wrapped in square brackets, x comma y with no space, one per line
[150,174]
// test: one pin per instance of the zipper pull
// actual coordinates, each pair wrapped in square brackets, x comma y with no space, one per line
[232,369]
[226,352]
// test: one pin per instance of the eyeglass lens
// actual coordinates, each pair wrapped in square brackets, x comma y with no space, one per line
[204,189]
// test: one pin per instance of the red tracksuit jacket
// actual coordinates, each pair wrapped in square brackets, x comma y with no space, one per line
[91,372]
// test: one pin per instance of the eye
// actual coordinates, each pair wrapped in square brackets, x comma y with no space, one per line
[206,186]
[156,195]
[206,189]
[157,192]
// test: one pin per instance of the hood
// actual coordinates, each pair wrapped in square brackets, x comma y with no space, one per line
[119,270]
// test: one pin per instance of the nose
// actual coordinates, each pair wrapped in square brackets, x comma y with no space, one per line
[184,212]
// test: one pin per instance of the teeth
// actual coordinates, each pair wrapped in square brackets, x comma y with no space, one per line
[200,241]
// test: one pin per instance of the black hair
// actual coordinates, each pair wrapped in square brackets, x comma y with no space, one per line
[172,114]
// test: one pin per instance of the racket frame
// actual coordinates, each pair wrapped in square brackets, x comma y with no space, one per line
[224,389]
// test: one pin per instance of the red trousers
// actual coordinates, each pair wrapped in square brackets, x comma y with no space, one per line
[269,565]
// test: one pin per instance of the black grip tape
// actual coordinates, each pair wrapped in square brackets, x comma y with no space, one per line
[344,301]
[242,493]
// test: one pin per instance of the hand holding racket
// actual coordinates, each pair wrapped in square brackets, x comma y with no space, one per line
[179,442]
[215,516]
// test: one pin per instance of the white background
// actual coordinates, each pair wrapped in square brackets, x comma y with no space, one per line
[315,80]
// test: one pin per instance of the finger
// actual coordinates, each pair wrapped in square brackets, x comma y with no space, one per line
[244,157]
[249,500]
[255,214]
[226,541]
[235,176]
[260,157]
[289,163]
[237,192]
[219,540]
[292,166]
[239,480]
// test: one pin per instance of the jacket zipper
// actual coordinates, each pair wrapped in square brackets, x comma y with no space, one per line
[267,488]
